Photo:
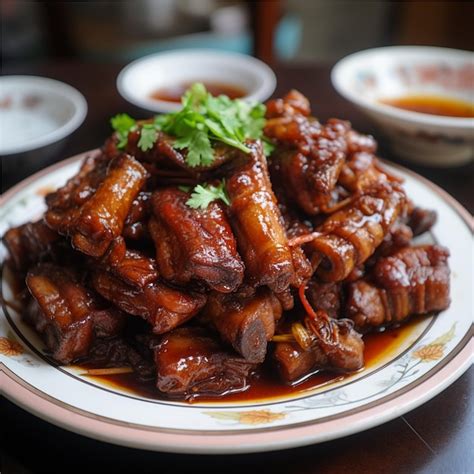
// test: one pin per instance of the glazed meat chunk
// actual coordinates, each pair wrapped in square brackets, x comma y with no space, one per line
[351,235]
[190,363]
[414,280]
[194,244]
[257,223]
[310,178]
[345,353]
[101,217]
[131,266]
[64,204]
[246,323]
[135,226]
[28,243]
[163,307]
[66,313]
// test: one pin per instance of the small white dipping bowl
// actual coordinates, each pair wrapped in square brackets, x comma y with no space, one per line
[36,112]
[137,81]
[367,77]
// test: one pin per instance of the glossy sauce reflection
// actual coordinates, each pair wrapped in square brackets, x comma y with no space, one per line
[433,105]
[266,384]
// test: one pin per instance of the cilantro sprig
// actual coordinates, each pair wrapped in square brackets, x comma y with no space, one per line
[202,121]
[204,194]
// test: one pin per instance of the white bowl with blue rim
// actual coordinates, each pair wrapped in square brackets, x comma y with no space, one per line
[367,77]
[141,78]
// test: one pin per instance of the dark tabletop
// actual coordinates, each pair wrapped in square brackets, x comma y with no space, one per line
[435,438]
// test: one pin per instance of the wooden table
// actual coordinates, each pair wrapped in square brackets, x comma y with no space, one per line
[435,438]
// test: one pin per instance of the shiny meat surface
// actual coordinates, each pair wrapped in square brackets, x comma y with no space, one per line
[279,262]
[162,306]
[66,313]
[343,351]
[351,235]
[28,243]
[415,280]
[257,223]
[246,323]
[190,362]
[194,244]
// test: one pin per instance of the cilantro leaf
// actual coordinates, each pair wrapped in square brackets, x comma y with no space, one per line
[204,194]
[122,124]
[202,121]
[200,150]
[148,136]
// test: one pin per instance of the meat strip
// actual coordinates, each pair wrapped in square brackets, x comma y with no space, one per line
[190,363]
[194,244]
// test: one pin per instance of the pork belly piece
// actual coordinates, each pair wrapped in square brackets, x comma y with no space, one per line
[131,266]
[421,220]
[345,353]
[66,314]
[194,244]
[325,296]
[351,235]
[190,363]
[102,217]
[65,203]
[246,323]
[28,243]
[414,280]
[289,124]
[135,226]
[257,223]
[163,307]
[310,178]
[309,156]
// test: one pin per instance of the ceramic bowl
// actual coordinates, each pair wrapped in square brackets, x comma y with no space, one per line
[367,77]
[137,81]
[36,115]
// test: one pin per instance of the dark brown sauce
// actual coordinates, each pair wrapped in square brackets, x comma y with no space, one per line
[433,105]
[265,383]
[175,92]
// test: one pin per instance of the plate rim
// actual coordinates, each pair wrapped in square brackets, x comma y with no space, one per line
[47,408]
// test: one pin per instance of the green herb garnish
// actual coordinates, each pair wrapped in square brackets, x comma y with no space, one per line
[204,194]
[201,122]
[122,124]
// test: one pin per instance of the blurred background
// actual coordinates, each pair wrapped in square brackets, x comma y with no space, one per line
[275,31]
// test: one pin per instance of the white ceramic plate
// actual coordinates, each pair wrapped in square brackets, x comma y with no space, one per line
[435,353]
[37,111]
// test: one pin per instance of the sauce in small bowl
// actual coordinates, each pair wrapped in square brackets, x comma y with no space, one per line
[433,105]
[173,93]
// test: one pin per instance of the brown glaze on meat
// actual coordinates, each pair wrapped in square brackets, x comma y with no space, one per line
[131,266]
[415,280]
[28,243]
[66,313]
[135,226]
[163,307]
[246,323]
[421,220]
[92,210]
[257,223]
[351,235]
[344,353]
[190,363]
[101,218]
[326,297]
[123,272]
[312,155]
[194,244]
